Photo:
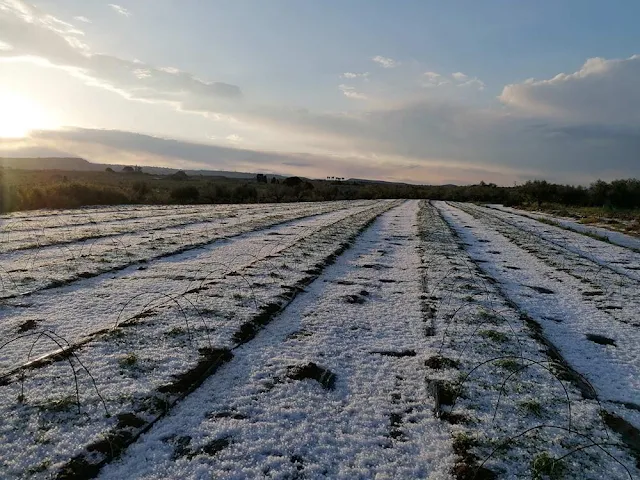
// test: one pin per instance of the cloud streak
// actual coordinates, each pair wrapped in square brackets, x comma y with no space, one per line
[120,10]
[36,36]
[385,62]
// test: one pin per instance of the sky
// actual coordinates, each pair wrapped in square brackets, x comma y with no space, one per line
[418,91]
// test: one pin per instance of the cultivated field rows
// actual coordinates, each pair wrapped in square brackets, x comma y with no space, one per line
[109,299]
[588,311]
[137,340]
[419,368]
[46,265]
[516,401]
[353,339]
[614,237]
[370,414]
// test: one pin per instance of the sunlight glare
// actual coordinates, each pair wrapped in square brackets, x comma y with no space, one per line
[19,115]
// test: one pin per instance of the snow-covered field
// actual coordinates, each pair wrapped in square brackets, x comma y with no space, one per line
[364,339]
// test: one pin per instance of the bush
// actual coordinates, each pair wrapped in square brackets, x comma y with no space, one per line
[187,194]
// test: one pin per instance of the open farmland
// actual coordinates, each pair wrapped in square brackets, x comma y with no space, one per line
[404,339]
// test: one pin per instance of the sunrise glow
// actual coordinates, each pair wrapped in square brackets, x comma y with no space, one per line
[20,115]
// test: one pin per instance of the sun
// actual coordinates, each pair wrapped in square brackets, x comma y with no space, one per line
[19,115]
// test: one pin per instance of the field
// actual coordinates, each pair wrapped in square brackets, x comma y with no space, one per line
[348,339]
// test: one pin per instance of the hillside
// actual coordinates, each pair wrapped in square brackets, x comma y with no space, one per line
[82,165]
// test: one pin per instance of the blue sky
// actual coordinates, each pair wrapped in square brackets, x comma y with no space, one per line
[421,91]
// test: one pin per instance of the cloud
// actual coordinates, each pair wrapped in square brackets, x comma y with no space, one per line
[385,62]
[117,147]
[602,91]
[463,80]
[459,79]
[38,37]
[474,82]
[120,10]
[466,136]
[434,79]
[351,75]
[80,18]
[351,92]
[233,138]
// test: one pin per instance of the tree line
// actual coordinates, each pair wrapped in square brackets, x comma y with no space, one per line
[56,191]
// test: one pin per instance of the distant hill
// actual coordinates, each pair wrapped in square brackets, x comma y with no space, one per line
[82,165]
[51,163]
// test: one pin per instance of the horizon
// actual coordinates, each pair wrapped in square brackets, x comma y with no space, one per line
[429,94]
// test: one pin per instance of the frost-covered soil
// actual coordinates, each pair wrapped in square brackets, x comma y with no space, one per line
[587,310]
[617,238]
[373,418]
[53,256]
[337,340]
[168,318]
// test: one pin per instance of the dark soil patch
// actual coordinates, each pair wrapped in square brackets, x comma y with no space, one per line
[395,422]
[396,354]
[299,334]
[228,414]
[250,329]
[182,447]
[210,360]
[375,266]
[630,435]
[600,339]
[594,293]
[355,299]
[543,290]
[312,371]
[454,418]
[298,461]
[27,326]
[438,363]
[130,420]
[443,392]
[467,467]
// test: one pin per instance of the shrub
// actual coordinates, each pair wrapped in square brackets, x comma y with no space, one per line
[186,194]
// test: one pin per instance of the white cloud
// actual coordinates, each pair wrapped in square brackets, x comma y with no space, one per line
[80,18]
[120,10]
[385,62]
[233,138]
[463,80]
[474,83]
[5,47]
[434,79]
[459,79]
[602,91]
[142,73]
[171,70]
[38,37]
[352,75]
[351,92]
